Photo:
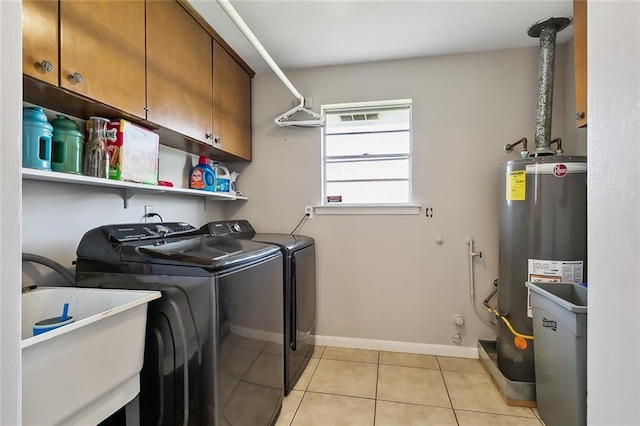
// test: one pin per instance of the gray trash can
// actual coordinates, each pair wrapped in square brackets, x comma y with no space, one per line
[560,352]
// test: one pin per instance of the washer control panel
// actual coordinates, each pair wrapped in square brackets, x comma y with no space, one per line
[230,229]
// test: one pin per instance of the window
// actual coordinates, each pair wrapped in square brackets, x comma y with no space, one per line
[367,153]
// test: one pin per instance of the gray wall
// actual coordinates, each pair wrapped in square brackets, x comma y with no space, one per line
[383,282]
[613,206]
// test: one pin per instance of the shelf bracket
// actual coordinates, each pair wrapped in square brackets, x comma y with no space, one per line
[126,196]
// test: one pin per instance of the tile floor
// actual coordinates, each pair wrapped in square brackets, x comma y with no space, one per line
[362,387]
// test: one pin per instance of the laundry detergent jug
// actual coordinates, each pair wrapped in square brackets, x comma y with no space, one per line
[202,175]
[223,178]
[37,134]
[67,147]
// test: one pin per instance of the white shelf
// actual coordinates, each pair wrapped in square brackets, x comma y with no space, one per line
[129,188]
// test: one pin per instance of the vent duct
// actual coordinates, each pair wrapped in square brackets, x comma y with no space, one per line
[546,30]
[359,117]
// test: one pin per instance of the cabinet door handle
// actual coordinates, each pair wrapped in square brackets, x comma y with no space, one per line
[76,77]
[208,135]
[46,66]
[579,115]
[217,141]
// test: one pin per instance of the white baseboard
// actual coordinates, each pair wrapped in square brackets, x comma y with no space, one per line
[393,346]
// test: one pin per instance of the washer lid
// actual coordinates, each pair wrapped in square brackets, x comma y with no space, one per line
[205,251]
[290,242]
[169,244]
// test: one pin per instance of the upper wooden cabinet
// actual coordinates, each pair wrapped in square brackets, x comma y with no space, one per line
[231,104]
[102,51]
[179,77]
[580,59]
[150,62]
[40,40]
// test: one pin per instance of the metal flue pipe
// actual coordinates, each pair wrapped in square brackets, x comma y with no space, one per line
[546,30]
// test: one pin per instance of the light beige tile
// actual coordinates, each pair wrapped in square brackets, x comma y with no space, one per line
[412,385]
[408,360]
[476,392]
[289,407]
[395,414]
[317,351]
[321,410]
[345,378]
[535,411]
[305,377]
[465,365]
[346,354]
[471,418]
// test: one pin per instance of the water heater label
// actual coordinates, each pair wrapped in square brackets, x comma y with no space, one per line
[553,271]
[516,185]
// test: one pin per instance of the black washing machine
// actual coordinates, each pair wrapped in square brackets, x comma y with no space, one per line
[299,290]
[214,344]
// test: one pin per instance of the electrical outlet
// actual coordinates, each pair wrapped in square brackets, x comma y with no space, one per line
[148,210]
[308,210]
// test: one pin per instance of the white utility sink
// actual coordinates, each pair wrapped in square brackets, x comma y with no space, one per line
[81,373]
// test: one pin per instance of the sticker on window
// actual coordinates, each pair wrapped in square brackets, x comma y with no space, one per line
[334,198]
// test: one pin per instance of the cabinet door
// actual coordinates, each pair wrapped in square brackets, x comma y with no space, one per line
[580,58]
[179,86]
[231,104]
[40,40]
[103,44]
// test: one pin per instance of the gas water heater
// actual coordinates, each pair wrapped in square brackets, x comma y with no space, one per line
[542,223]
[542,237]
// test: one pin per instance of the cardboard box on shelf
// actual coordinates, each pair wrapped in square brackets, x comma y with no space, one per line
[133,152]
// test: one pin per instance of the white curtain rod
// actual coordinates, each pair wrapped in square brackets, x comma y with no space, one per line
[281,120]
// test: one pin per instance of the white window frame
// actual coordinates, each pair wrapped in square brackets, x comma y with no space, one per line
[361,208]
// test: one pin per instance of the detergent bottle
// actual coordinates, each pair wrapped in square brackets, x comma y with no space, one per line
[223,177]
[202,175]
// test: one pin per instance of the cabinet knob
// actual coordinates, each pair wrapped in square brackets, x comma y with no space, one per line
[76,77]
[580,115]
[217,141]
[46,66]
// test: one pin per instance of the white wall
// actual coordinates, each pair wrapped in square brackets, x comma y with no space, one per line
[383,278]
[614,213]
[10,212]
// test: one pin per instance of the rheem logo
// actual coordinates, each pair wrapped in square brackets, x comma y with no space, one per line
[560,170]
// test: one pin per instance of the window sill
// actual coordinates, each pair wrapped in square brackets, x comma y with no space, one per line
[373,209]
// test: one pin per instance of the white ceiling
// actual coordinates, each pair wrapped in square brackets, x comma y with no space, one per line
[311,33]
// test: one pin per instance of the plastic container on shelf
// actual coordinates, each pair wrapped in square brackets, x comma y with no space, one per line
[223,178]
[37,135]
[67,147]
[202,175]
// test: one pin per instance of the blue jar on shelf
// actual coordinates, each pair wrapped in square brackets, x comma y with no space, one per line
[37,135]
